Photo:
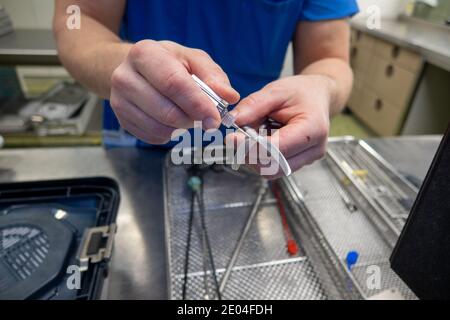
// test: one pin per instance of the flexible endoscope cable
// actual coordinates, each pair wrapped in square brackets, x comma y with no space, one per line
[188,245]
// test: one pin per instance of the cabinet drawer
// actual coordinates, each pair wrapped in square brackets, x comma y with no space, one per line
[363,40]
[355,99]
[399,56]
[365,99]
[353,35]
[383,118]
[391,82]
[360,59]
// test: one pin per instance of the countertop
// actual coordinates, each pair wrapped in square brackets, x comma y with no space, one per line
[138,268]
[432,42]
[28,46]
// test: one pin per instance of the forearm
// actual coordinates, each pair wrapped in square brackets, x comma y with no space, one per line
[340,77]
[322,48]
[91,53]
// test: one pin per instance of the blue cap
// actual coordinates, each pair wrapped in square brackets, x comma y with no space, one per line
[351,259]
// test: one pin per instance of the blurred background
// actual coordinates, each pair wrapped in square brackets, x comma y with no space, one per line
[401,65]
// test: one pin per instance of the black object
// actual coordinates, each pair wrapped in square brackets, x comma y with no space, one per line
[34,246]
[48,226]
[188,245]
[421,257]
[197,195]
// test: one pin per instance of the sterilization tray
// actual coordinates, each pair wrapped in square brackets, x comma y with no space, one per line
[323,226]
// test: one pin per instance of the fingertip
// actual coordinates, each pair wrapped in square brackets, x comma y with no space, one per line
[240,113]
[229,94]
[233,96]
[224,89]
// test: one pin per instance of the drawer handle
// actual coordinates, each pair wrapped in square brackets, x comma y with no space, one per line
[378,105]
[390,71]
[358,35]
[354,52]
[395,52]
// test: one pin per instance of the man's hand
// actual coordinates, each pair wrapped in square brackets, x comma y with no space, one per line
[152,92]
[302,105]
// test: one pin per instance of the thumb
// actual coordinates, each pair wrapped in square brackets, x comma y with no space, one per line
[202,65]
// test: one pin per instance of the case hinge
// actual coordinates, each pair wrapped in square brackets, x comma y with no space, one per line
[96,245]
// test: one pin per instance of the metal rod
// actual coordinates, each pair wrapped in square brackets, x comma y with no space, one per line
[387,165]
[376,178]
[205,267]
[237,249]
[381,175]
[351,206]
[245,133]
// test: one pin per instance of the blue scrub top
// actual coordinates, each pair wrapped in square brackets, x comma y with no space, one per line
[247,38]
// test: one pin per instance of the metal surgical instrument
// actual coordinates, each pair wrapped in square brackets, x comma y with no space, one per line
[229,122]
[237,249]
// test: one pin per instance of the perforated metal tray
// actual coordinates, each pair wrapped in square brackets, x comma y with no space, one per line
[264,269]
[324,227]
[313,194]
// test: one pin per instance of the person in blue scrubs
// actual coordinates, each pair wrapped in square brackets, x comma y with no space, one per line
[140,54]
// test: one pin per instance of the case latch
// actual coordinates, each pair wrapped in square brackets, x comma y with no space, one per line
[96,245]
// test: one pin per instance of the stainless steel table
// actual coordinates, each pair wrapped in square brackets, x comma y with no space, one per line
[138,268]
